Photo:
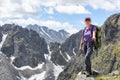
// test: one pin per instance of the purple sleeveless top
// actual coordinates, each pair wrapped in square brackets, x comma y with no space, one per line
[87,33]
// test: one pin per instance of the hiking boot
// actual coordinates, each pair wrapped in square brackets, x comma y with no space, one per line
[88,74]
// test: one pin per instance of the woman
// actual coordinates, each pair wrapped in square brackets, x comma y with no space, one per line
[87,41]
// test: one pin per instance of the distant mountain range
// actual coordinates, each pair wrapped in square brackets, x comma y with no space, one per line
[30,57]
[50,35]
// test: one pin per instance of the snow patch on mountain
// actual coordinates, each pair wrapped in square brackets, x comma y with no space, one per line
[74,51]
[3,40]
[62,34]
[12,58]
[57,70]
[68,57]
[49,35]
[64,56]
[40,76]
[30,68]
[48,56]
[46,33]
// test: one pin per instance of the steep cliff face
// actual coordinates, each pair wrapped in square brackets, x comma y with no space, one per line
[107,59]
[108,56]
[57,57]
[63,53]
[7,71]
[26,46]
[111,30]
[71,45]
[1,34]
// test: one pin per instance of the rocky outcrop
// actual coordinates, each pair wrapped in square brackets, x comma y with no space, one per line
[72,69]
[71,45]
[66,51]
[56,55]
[1,34]
[81,76]
[108,55]
[111,30]
[7,71]
[48,34]
[26,46]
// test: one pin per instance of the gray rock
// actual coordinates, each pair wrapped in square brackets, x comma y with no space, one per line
[1,34]
[72,44]
[48,34]
[56,56]
[70,47]
[114,73]
[111,30]
[83,77]
[7,71]
[27,46]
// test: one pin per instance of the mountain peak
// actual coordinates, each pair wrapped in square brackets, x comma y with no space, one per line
[49,35]
[111,29]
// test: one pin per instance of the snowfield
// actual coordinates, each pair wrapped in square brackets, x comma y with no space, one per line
[40,76]
[30,68]
[57,70]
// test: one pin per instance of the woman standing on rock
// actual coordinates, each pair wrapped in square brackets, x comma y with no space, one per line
[87,41]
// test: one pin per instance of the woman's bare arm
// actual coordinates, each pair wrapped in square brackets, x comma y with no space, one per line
[81,42]
[94,35]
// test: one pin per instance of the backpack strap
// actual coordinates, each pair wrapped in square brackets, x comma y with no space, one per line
[92,27]
[83,31]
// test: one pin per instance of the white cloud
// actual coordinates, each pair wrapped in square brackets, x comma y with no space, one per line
[56,25]
[71,9]
[25,12]
[31,6]
[21,8]
[49,10]
[108,5]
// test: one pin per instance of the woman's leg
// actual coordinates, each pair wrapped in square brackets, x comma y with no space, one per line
[84,49]
[88,56]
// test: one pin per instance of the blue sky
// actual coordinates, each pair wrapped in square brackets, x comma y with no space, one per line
[57,14]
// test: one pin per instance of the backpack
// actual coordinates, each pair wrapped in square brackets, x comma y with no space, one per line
[97,44]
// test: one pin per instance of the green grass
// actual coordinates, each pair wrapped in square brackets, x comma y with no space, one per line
[106,77]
